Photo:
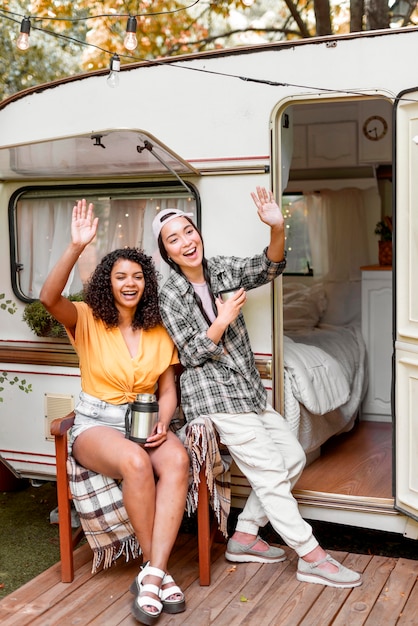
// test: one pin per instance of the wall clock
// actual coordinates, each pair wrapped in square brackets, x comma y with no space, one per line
[375,127]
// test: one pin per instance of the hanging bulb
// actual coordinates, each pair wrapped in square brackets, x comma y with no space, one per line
[130,42]
[113,78]
[23,40]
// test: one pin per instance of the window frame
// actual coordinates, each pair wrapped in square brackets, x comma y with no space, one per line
[151,188]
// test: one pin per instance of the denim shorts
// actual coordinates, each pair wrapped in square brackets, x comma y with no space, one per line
[91,411]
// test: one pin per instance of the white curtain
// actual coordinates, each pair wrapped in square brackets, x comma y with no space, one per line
[339,246]
[126,224]
[44,230]
[43,233]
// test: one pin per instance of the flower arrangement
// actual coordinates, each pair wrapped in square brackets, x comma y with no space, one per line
[384,230]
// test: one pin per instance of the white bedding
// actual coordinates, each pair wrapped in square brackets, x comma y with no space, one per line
[324,381]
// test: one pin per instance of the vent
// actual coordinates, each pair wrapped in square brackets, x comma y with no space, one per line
[56,405]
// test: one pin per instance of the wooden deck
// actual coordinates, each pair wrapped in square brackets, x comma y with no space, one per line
[245,594]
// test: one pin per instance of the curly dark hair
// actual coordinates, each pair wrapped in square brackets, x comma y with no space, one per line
[98,290]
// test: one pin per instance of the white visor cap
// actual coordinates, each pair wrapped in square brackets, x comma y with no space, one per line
[158,222]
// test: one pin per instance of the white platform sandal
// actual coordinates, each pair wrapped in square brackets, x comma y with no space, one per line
[172,606]
[141,601]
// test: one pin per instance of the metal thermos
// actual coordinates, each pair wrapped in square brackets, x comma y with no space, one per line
[143,417]
[227,293]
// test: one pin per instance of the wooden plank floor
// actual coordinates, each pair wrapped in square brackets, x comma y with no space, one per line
[242,594]
[357,463]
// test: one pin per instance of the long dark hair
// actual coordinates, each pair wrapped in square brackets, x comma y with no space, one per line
[99,296]
[177,268]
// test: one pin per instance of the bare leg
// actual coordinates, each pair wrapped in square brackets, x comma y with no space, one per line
[171,465]
[106,451]
[154,509]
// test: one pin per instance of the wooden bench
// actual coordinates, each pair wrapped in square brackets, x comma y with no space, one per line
[68,540]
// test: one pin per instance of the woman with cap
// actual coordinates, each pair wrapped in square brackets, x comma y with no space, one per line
[124,350]
[220,380]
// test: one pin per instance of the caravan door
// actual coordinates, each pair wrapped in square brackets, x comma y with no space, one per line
[406,303]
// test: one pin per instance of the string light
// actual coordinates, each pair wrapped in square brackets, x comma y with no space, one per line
[130,42]
[22,41]
[113,78]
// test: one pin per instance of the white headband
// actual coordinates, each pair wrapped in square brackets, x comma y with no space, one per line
[158,222]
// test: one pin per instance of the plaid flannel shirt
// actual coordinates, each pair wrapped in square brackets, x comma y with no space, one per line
[215,382]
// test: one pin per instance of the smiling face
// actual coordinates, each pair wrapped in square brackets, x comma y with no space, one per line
[184,246]
[128,283]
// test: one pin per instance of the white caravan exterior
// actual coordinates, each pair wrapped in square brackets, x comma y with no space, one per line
[211,126]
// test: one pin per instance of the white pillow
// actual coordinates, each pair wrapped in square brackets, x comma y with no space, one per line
[344,303]
[303,306]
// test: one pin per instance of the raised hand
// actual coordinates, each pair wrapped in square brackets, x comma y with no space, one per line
[268,209]
[83,223]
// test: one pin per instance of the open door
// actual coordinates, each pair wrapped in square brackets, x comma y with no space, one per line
[406,308]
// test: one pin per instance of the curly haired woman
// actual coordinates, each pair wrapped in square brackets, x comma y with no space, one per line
[124,350]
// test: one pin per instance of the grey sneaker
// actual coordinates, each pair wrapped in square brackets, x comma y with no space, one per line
[241,553]
[311,573]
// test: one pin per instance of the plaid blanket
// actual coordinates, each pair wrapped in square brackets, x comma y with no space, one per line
[200,438]
[98,501]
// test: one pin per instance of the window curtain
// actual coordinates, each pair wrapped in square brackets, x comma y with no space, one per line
[130,224]
[339,246]
[44,230]
[126,225]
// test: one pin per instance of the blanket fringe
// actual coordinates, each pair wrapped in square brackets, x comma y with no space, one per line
[202,445]
[103,558]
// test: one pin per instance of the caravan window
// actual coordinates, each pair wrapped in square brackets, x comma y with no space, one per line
[40,222]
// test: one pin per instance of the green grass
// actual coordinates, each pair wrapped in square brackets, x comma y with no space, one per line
[29,544]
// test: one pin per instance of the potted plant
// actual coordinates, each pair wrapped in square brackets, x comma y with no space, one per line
[41,322]
[384,230]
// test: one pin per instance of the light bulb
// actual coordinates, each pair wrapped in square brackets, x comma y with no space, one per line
[113,78]
[130,42]
[22,41]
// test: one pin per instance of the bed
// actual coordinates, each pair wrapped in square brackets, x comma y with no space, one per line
[325,372]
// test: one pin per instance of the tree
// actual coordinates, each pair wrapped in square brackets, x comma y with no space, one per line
[159,25]
[322,17]
[295,19]
[49,57]
[70,37]
[377,14]
[356,15]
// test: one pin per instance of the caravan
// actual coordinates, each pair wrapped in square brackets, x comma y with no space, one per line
[331,126]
